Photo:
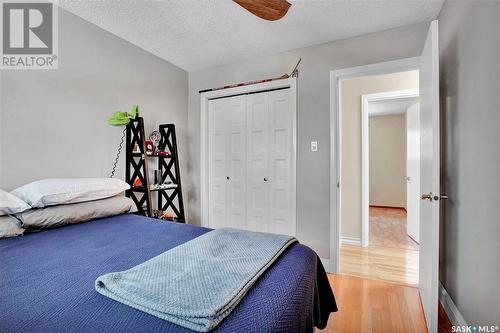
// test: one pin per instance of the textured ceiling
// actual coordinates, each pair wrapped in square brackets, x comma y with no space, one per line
[196,34]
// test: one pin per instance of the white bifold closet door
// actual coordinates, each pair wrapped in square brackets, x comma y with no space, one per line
[251,143]
[227,162]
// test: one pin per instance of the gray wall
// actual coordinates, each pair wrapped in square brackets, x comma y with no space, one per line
[470,108]
[53,122]
[313,202]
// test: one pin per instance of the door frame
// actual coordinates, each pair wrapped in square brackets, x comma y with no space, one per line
[365,152]
[336,76]
[205,97]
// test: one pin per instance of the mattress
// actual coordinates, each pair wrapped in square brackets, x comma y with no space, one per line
[47,281]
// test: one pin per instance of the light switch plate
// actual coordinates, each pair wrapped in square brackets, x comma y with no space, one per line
[314,145]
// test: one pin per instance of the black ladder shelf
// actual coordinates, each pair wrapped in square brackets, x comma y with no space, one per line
[137,167]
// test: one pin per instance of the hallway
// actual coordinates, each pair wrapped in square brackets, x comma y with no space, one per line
[388,228]
[391,255]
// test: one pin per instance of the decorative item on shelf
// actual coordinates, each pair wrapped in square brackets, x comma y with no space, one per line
[163,215]
[153,187]
[168,216]
[136,149]
[158,178]
[149,147]
[155,138]
[121,119]
[137,183]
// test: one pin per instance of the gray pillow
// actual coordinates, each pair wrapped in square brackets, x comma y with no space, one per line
[60,215]
[10,227]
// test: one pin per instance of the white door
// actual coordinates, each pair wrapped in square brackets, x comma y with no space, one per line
[227,162]
[236,164]
[413,172]
[217,112]
[257,161]
[429,177]
[252,162]
[280,146]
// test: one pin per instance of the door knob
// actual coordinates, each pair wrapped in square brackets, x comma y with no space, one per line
[427,196]
[441,197]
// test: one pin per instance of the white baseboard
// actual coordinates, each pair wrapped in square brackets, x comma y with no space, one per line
[350,241]
[450,308]
[326,264]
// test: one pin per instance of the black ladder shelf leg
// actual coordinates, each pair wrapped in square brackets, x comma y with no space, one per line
[136,167]
[170,199]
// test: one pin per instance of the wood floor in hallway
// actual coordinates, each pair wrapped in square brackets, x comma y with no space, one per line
[391,256]
[380,263]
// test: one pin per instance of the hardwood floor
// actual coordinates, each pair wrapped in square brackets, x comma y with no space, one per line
[381,263]
[444,324]
[391,256]
[374,306]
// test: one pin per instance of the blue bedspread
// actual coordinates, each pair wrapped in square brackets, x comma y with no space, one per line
[47,281]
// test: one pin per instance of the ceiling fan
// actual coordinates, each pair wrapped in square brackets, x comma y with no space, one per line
[270,10]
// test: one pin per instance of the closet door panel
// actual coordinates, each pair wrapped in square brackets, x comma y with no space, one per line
[281,218]
[217,162]
[237,162]
[251,151]
[257,161]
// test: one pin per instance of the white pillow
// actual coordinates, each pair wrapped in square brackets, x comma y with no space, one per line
[10,204]
[60,215]
[50,192]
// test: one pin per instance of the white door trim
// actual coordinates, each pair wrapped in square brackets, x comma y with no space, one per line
[336,76]
[365,152]
[204,149]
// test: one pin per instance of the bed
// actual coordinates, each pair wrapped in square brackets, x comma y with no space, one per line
[47,281]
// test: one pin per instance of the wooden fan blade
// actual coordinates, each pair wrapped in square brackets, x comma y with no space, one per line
[270,10]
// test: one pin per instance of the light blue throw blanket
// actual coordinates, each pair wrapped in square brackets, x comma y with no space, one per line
[197,284]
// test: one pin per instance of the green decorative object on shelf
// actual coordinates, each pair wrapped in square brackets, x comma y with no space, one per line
[122,119]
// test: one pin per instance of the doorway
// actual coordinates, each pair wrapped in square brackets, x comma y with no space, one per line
[375,177]
[390,164]
[428,66]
